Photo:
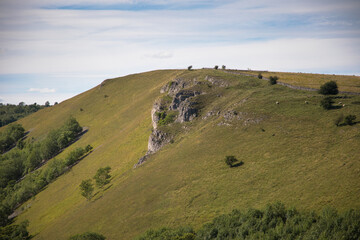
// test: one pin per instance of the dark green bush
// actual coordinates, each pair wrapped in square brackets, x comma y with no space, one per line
[260,76]
[216,67]
[349,119]
[88,236]
[327,103]
[223,67]
[189,68]
[329,88]
[230,160]
[273,80]
[166,118]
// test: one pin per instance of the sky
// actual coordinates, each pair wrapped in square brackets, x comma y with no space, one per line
[53,50]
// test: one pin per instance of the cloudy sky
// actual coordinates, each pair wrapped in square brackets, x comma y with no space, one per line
[53,50]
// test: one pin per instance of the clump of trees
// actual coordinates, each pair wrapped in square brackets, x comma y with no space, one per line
[102,177]
[15,232]
[273,80]
[10,112]
[329,88]
[274,222]
[87,189]
[348,120]
[10,136]
[88,236]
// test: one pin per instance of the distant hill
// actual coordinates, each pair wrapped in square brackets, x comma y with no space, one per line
[289,145]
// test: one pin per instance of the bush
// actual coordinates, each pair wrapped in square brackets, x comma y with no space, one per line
[223,67]
[329,88]
[273,80]
[230,160]
[260,76]
[349,119]
[189,68]
[88,236]
[326,103]
[339,120]
[216,67]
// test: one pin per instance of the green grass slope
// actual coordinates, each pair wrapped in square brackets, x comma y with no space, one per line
[292,152]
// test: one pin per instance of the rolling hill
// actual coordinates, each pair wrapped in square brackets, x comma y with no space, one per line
[291,149]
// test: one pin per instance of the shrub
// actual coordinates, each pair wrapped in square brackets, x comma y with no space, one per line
[349,119]
[326,103]
[329,88]
[88,236]
[230,160]
[339,120]
[216,67]
[189,68]
[260,76]
[223,67]
[87,189]
[273,80]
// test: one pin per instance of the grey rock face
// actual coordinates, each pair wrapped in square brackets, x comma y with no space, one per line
[187,111]
[157,140]
[180,97]
[154,117]
[173,87]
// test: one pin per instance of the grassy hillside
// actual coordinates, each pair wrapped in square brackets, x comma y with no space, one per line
[291,151]
[346,83]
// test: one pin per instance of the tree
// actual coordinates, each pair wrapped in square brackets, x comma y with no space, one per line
[260,76]
[102,176]
[223,67]
[216,67]
[87,189]
[329,88]
[230,160]
[47,104]
[189,67]
[88,236]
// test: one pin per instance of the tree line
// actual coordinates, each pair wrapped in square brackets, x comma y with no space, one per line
[274,222]
[10,112]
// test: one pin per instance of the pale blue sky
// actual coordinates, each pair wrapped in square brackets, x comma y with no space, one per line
[52,50]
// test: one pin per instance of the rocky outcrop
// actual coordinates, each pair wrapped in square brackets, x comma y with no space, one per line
[217,81]
[157,140]
[173,87]
[155,117]
[187,111]
[180,97]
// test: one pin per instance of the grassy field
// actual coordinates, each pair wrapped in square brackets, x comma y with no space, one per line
[346,83]
[292,152]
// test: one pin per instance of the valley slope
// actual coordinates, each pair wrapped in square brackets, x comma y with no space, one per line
[292,152]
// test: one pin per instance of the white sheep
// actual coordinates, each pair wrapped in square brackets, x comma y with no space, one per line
[306,102]
[277,102]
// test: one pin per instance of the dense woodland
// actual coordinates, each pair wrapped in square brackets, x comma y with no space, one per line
[19,179]
[10,112]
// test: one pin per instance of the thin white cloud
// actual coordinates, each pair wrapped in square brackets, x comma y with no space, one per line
[160,55]
[42,90]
